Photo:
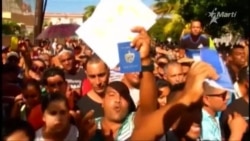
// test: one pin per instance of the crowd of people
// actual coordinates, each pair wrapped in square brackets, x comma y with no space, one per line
[65,92]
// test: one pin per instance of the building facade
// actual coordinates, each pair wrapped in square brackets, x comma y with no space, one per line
[20,12]
[62,18]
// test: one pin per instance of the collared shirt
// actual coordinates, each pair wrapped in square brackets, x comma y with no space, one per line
[238,93]
[124,132]
[210,127]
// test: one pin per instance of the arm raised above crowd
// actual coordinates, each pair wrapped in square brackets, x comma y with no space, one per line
[148,91]
[157,123]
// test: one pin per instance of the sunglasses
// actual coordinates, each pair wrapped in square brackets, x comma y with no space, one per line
[161,64]
[37,69]
[222,95]
[59,83]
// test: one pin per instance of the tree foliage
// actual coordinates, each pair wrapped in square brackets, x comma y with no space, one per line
[200,9]
[157,30]
[88,11]
[10,28]
[183,11]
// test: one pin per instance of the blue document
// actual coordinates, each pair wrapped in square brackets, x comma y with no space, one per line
[212,57]
[129,58]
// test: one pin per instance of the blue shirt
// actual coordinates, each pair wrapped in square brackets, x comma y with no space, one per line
[210,127]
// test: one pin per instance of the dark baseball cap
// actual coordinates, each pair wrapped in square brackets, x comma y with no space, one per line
[123,90]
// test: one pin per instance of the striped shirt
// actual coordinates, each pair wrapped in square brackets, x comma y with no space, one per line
[124,132]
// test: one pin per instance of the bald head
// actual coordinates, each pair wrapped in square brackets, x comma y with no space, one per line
[173,73]
[94,59]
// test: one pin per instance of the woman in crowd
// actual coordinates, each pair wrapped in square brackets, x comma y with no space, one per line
[163,91]
[27,105]
[56,116]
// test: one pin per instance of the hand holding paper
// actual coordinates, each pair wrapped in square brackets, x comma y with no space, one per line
[111,24]
[198,72]
[211,57]
[132,54]
[141,42]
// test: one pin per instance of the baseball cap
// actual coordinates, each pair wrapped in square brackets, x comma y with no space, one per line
[12,54]
[123,90]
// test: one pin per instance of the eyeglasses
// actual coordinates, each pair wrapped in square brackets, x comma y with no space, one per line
[222,95]
[59,83]
[36,69]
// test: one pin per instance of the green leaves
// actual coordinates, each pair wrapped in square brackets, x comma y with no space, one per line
[88,11]
[10,28]
[199,9]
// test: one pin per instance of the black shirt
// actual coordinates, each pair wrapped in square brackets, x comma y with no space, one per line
[240,106]
[232,74]
[85,104]
[75,80]
[187,42]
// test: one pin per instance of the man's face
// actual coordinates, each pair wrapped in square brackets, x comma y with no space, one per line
[98,75]
[216,99]
[115,106]
[173,74]
[133,79]
[38,68]
[238,57]
[185,70]
[196,28]
[67,61]
[56,84]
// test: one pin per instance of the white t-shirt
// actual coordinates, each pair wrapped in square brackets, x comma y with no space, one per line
[237,93]
[72,134]
[135,95]
[115,76]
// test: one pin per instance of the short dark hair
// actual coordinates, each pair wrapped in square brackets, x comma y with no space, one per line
[39,59]
[161,57]
[196,20]
[94,59]
[31,82]
[52,97]
[50,72]
[162,83]
[236,46]
[173,62]
[243,74]
[12,125]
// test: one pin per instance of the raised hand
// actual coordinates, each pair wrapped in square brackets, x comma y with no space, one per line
[237,123]
[19,100]
[85,124]
[199,71]
[141,43]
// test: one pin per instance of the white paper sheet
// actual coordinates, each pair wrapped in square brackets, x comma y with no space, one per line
[111,23]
